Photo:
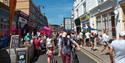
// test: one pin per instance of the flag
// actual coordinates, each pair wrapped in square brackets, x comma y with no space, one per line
[12,6]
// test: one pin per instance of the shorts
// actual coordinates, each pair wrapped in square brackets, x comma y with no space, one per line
[92,39]
[87,40]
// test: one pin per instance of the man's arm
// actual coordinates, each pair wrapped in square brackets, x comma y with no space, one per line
[77,45]
[111,55]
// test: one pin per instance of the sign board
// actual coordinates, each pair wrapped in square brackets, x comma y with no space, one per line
[14,43]
[68,23]
[21,56]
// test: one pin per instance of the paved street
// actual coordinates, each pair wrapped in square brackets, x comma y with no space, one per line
[82,58]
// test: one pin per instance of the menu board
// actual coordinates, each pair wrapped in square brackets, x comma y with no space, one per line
[14,43]
[21,56]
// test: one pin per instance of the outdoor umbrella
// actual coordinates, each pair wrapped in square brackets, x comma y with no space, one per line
[46,31]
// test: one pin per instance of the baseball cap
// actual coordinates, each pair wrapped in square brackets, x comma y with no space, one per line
[122,33]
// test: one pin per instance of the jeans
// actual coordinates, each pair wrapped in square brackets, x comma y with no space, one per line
[66,58]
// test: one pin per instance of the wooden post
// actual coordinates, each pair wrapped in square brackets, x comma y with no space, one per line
[12,6]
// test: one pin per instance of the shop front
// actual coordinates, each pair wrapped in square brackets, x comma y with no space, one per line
[105,18]
[85,22]
[21,23]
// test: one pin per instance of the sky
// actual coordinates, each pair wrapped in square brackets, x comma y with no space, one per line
[55,10]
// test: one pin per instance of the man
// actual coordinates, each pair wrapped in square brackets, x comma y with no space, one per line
[87,40]
[118,48]
[105,40]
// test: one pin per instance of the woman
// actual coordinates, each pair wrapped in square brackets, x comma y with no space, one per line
[66,48]
[49,46]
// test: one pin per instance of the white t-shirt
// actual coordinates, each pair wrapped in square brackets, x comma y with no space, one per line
[49,42]
[105,38]
[119,50]
[87,35]
[59,41]
[80,35]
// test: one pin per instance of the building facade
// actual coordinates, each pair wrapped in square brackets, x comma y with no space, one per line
[23,5]
[6,2]
[26,13]
[110,17]
[36,18]
[105,18]
[120,16]
[81,12]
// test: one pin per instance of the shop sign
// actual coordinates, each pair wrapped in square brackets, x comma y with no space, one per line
[86,17]
[14,43]
[21,56]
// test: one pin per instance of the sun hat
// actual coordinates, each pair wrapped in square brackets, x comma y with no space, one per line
[122,33]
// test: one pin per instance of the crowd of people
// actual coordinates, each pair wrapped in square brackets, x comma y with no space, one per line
[70,42]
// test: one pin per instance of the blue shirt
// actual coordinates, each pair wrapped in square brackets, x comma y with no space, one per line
[119,50]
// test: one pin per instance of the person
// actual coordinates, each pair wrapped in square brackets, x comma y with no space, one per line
[92,37]
[118,48]
[81,38]
[59,44]
[43,44]
[49,46]
[27,39]
[105,41]
[87,40]
[66,48]
[36,43]
[73,36]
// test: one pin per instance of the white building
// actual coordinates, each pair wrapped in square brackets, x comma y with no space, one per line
[110,16]
[81,9]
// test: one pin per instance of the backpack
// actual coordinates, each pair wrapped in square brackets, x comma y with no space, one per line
[67,45]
